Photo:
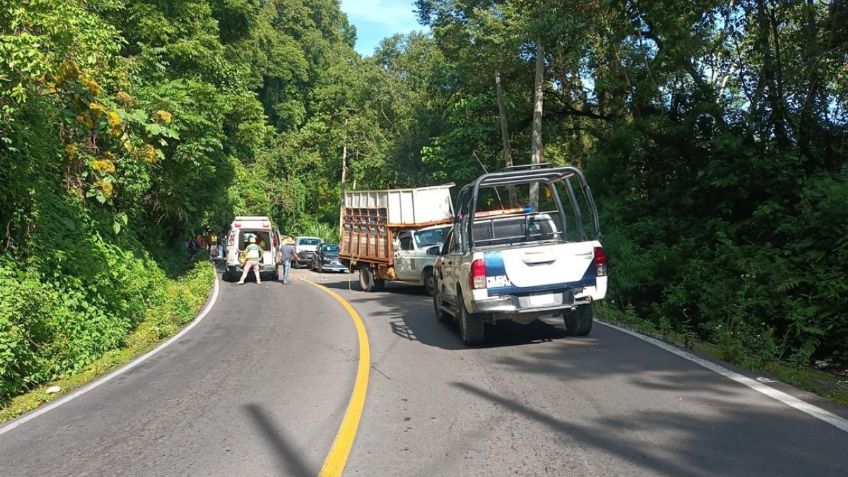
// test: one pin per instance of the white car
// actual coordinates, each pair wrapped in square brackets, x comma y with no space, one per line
[267,237]
[305,248]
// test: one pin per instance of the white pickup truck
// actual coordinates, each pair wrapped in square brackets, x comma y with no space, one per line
[415,254]
[525,243]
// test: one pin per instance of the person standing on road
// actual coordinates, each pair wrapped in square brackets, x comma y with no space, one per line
[286,255]
[252,254]
[213,246]
[221,245]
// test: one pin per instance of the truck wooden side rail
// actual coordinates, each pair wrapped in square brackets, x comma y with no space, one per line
[366,235]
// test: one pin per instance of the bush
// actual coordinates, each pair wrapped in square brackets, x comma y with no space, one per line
[62,309]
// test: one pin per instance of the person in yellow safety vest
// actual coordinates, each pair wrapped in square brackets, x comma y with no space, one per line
[252,255]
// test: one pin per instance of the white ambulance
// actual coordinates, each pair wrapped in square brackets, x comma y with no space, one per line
[267,237]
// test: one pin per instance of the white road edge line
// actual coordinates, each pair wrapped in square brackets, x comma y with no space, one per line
[792,401]
[132,364]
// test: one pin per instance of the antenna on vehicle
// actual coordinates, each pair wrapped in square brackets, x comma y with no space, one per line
[474,153]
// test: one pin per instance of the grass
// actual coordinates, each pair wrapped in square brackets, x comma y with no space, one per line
[827,385]
[185,297]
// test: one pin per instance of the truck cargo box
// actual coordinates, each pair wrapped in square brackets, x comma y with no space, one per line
[369,219]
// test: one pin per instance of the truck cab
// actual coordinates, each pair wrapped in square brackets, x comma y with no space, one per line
[525,244]
[415,253]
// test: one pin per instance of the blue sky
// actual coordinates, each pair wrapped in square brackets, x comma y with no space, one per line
[377,19]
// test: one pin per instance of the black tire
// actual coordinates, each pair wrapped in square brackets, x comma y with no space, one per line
[578,322]
[379,284]
[471,326]
[366,279]
[429,281]
[441,315]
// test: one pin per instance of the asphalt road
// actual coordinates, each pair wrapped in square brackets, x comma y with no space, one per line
[260,386]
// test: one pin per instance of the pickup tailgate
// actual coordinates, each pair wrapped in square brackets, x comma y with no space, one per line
[540,268]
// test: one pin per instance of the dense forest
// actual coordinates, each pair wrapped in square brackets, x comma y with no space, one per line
[713,134]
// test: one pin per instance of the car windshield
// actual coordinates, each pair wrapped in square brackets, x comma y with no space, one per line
[428,238]
[331,248]
[309,241]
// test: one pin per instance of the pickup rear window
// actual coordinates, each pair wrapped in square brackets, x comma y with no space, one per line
[515,229]
[511,214]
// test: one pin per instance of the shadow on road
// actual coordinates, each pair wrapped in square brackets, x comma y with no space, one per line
[288,458]
[697,439]
[408,311]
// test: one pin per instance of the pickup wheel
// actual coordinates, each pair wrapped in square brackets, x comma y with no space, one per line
[579,321]
[471,327]
[429,281]
[366,278]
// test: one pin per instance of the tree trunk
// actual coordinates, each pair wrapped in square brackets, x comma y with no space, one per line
[513,195]
[538,93]
[504,125]
[344,163]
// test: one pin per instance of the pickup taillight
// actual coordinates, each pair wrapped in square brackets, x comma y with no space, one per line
[600,261]
[477,279]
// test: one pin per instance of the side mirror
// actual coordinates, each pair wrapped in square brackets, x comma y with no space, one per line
[434,250]
[395,245]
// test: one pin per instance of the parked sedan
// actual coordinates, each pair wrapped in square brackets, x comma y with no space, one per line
[326,257]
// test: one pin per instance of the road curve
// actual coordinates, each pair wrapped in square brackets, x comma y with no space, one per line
[535,402]
[258,387]
[263,393]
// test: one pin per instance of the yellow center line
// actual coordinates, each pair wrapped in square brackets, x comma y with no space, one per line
[335,461]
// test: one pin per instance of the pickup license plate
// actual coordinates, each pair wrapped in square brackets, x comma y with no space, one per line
[545,299]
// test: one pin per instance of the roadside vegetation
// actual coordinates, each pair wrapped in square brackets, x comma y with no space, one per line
[173,306]
[713,134]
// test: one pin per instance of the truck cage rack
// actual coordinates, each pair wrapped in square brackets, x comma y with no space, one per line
[523,174]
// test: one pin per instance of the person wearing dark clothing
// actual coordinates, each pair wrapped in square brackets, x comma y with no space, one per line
[192,248]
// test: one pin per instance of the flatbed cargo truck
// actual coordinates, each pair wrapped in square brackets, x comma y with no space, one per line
[394,234]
